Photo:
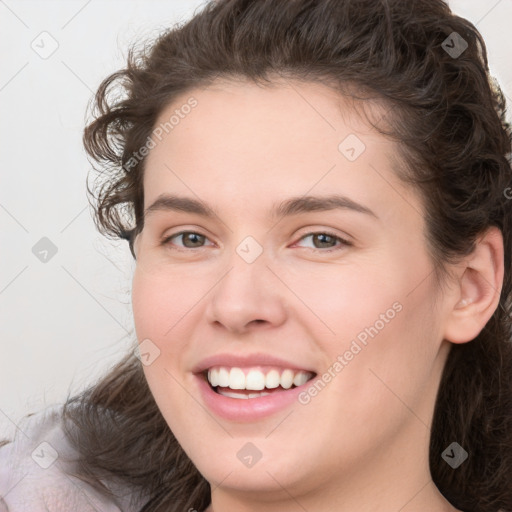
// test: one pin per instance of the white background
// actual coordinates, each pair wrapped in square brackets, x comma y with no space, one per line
[65,321]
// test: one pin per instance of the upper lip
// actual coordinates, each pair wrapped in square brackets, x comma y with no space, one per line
[247,360]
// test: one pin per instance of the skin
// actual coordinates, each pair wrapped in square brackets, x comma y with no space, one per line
[362,442]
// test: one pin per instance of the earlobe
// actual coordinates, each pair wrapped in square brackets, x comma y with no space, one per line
[478,290]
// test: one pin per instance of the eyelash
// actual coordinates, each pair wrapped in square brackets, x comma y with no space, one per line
[343,242]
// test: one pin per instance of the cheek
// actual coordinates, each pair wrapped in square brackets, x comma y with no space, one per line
[389,360]
[341,301]
[157,304]
[157,309]
[165,313]
[381,320]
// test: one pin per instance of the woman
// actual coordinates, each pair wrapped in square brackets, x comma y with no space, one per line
[317,197]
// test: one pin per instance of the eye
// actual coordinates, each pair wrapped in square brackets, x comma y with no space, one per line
[322,240]
[325,240]
[190,239]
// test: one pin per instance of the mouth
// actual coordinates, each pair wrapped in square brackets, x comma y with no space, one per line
[254,382]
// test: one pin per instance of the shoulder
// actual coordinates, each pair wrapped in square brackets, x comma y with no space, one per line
[36,471]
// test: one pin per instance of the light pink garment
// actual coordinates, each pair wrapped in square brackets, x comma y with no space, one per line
[35,476]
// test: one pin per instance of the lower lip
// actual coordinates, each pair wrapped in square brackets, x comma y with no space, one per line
[247,409]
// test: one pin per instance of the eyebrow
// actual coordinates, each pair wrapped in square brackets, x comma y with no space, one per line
[289,207]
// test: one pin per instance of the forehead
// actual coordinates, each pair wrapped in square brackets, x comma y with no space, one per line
[288,108]
[245,140]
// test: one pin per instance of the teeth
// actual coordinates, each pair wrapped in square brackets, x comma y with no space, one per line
[236,378]
[223,378]
[243,395]
[300,378]
[273,379]
[256,380]
[287,379]
[213,377]
[256,395]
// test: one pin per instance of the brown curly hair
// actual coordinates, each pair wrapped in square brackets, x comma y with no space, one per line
[448,114]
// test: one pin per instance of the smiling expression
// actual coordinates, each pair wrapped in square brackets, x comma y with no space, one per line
[277,237]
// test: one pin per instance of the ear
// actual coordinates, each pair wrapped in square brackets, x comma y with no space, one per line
[478,289]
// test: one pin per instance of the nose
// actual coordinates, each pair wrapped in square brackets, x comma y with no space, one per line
[248,296]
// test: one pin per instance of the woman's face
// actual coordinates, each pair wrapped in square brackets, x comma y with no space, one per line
[263,288]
